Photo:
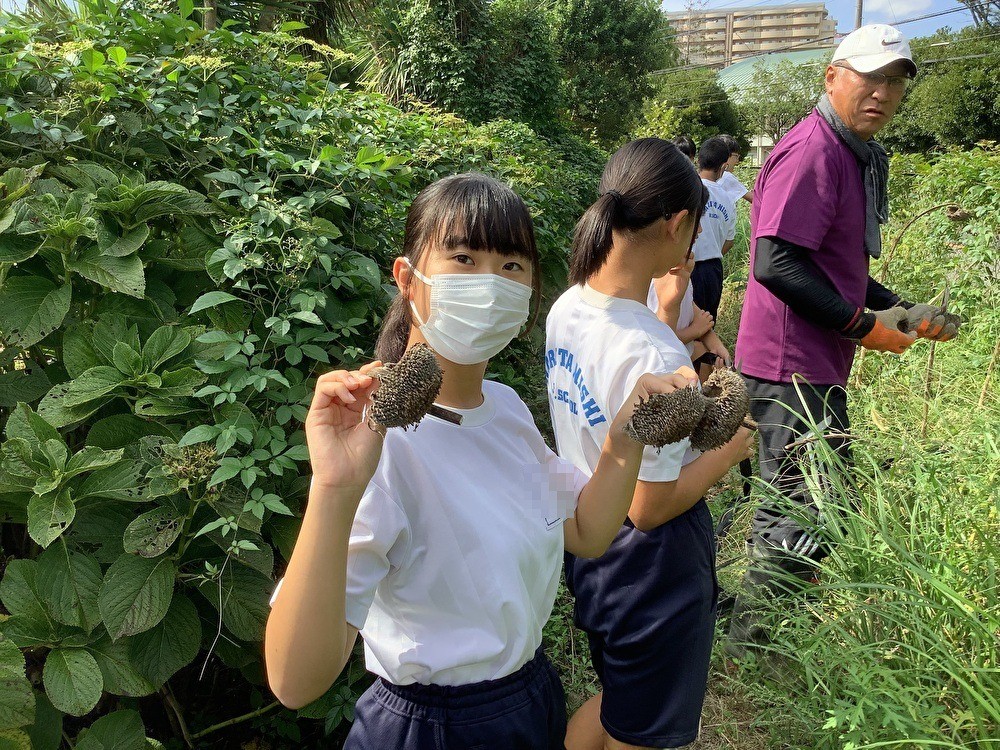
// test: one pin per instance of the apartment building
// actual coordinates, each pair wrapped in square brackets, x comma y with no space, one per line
[724,35]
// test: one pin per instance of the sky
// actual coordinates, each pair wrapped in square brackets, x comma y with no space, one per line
[874,11]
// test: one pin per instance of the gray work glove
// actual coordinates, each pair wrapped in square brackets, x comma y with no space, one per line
[931,322]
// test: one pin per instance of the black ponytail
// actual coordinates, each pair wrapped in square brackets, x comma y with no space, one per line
[643,181]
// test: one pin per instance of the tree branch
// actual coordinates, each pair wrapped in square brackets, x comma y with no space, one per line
[236,720]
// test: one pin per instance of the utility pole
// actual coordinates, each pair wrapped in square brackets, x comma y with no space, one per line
[857,14]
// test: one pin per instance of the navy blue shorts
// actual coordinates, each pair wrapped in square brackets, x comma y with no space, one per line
[648,607]
[525,710]
[706,285]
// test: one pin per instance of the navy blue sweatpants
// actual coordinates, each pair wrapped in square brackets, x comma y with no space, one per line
[648,606]
[522,711]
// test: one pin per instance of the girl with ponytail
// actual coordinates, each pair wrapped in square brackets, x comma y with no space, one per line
[648,604]
[442,545]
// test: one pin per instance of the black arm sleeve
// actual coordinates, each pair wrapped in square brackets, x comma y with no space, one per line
[877,297]
[789,273]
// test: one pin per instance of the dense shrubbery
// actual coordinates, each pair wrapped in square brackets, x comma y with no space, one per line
[692,103]
[578,66]
[955,100]
[606,50]
[192,226]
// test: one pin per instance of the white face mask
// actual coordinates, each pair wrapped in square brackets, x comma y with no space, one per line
[473,316]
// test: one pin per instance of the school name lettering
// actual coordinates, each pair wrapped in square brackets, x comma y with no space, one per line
[714,209]
[584,402]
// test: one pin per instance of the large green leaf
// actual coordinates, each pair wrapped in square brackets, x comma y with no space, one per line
[121,730]
[182,382]
[29,633]
[112,241]
[19,591]
[50,515]
[91,458]
[161,651]
[100,526]
[110,330]
[46,732]
[165,343]
[25,385]
[93,384]
[241,595]
[54,410]
[122,431]
[15,739]
[72,680]
[78,353]
[84,174]
[17,703]
[31,308]
[70,583]
[211,299]
[152,533]
[121,676]
[169,406]
[17,248]
[123,481]
[123,275]
[136,594]
[127,360]
[27,425]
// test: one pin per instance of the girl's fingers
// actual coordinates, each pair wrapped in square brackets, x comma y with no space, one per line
[686,372]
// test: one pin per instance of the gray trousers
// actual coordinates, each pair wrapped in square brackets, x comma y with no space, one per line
[783,555]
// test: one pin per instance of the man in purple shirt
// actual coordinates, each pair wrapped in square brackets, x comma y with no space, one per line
[810,301]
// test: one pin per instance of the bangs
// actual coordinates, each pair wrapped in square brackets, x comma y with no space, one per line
[484,214]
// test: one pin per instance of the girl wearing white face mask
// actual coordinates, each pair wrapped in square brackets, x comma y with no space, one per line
[442,545]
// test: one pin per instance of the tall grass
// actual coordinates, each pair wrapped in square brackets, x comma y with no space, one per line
[899,645]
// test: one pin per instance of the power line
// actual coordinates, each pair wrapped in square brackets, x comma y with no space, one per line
[690,102]
[800,44]
[970,40]
[695,66]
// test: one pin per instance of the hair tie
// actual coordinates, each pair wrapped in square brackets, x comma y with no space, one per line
[616,195]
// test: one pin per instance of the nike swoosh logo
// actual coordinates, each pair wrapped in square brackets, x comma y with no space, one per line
[549,524]
[888,44]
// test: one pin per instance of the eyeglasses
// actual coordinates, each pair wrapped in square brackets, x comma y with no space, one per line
[895,83]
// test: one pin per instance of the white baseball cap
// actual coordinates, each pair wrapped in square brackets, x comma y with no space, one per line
[874,46]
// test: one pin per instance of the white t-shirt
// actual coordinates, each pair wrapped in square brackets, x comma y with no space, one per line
[732,185]
[457,545]
[686,315]
[596,348]
[718,223]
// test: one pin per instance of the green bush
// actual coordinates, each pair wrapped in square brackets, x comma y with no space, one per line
[607,51]
[689,102]
[192,227]
[955,100]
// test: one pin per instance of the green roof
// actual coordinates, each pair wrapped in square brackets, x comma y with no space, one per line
[737,77]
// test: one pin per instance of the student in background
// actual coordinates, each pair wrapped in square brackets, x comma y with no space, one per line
[686,147]
[648,604]
[729,181]
[718,227]
[672,299]
[442,545]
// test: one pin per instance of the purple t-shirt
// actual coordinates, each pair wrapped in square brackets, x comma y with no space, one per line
[809,192]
